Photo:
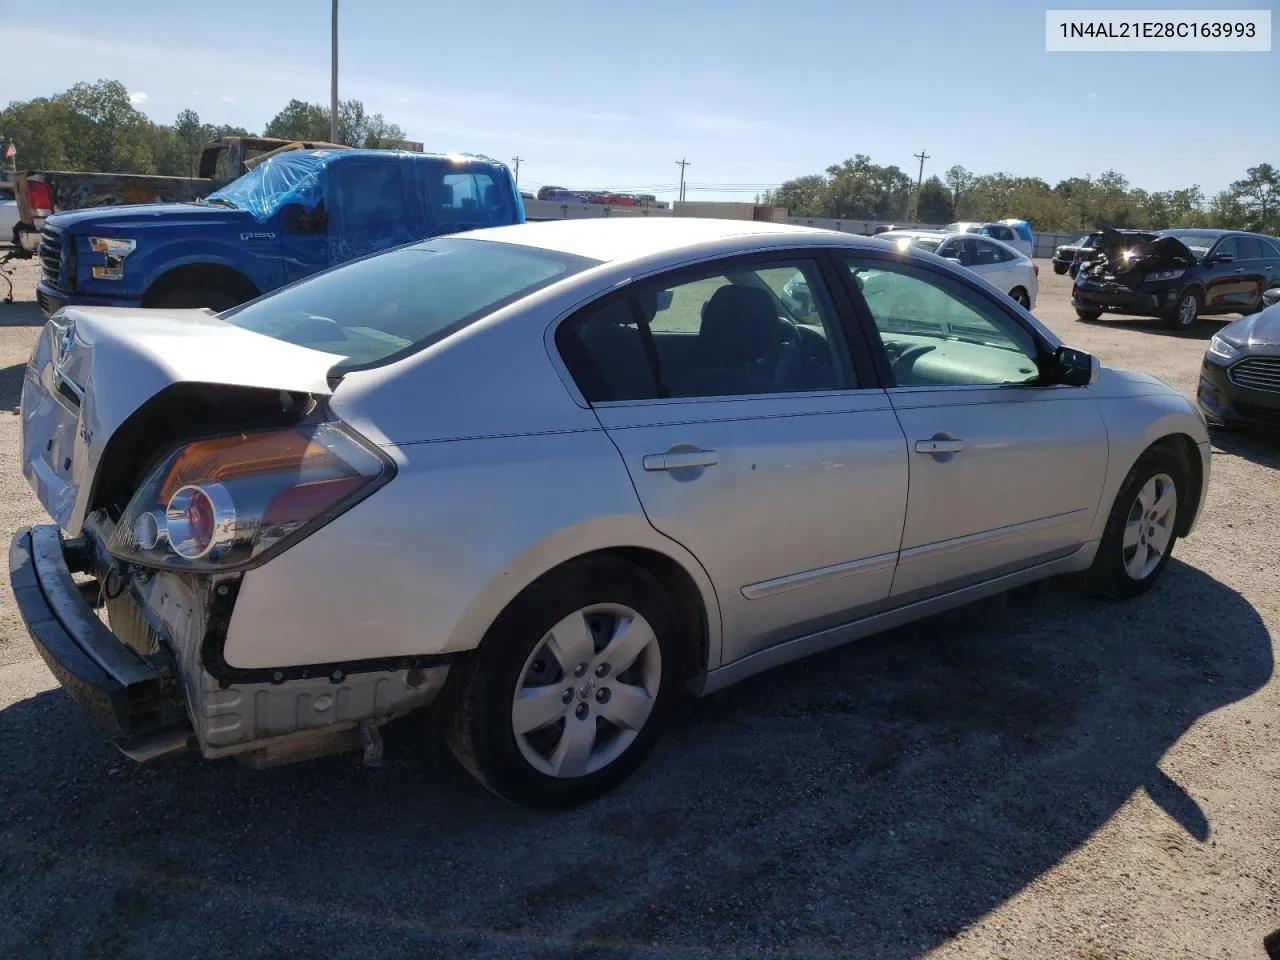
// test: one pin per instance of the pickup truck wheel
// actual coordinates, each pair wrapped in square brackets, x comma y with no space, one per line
[1060,268]
[1088,316]
[183,298]
[1185,311]
[571,687]
[1139,537]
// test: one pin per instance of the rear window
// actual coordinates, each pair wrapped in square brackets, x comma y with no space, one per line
[387,306]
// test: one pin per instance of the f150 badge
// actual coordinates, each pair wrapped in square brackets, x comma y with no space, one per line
[257,236]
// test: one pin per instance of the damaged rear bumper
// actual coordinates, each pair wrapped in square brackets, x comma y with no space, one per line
[132,697]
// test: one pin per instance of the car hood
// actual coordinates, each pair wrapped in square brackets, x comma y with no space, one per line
[1258,329]
[139,216]
[1129,255]
[93,367]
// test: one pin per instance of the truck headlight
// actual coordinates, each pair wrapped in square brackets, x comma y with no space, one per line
[113,250]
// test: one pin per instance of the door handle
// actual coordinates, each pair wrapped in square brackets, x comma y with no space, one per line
[680,460]
[939,445]
[1238,270]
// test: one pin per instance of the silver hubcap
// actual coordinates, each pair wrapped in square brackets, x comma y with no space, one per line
[586,691]
[1187,312]
[1149,527]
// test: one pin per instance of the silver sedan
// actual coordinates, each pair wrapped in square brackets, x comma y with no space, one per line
[551,475]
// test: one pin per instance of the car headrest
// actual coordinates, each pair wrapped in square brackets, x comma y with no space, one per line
[740,324]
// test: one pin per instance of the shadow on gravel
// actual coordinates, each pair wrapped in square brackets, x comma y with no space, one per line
[1204,329]
[1256,445]
[870,801]
[11,386]
[21,313]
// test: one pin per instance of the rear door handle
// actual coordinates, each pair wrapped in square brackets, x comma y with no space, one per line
[680,460]
[939,445]
[1238,270]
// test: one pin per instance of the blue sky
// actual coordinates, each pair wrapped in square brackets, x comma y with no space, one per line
[597,94]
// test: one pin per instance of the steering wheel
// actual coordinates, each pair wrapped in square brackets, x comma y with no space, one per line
[904,360]
[790,351]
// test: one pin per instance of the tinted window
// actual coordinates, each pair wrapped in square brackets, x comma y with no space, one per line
[1228,245]
[751,330]
[1250,248]
[1269,247]
[939,333]
[380,308]
[604,349]
[988,253]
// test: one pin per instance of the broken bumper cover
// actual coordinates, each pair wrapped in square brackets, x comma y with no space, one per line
[1147,300]
[130,696]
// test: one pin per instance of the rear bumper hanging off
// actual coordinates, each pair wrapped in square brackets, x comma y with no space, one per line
[132,697]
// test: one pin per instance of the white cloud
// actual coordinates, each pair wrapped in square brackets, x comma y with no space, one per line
[402,100]
[137,98]
[1093,96]
[226,99]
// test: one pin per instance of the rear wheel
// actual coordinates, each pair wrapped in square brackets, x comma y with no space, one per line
[1021,297]
[571,687]
[1139,536]
[1060,268]
[1088,316]
[1185,311]
[184,298]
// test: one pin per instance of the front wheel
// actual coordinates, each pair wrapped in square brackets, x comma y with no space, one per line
[1088,316]
[1185,311]
[1140,532]
[1060,268]
[571,687]
[186,298]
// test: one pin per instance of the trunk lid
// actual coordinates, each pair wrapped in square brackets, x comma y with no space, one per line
[93,367]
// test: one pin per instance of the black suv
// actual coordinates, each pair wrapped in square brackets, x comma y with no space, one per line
[1067,256]
[1176,274]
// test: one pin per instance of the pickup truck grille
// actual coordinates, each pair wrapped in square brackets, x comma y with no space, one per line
[50,251]
[1256,373]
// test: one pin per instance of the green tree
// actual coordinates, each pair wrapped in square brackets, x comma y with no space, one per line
[1258,195]
[803,196]
[310,121]
[106,132]
[958,181]
[934,204]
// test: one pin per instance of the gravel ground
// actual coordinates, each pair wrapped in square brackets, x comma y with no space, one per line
[1043,775]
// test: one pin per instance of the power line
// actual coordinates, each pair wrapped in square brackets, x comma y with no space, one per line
[922,157]
[682,162]
[516,161]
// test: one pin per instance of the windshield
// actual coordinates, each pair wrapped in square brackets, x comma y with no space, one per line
[904,240]
[1197,243]
[384,307]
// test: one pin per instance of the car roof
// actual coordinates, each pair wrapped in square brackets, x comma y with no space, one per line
[612,239]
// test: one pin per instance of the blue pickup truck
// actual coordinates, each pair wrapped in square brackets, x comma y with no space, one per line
[294,214]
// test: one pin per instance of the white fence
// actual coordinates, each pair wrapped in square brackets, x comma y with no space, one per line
[549,210]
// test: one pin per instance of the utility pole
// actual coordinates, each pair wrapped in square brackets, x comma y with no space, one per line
[682,163]
[922,157]
[333,85]
[516,161]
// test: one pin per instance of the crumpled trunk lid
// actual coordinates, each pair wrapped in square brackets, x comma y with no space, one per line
[1127,256]
[93,367]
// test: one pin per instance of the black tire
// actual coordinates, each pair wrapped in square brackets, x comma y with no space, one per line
[186,298]
[1021,298]
[1184,317]
[1088,316]
[1074,269]
[1060,268]
[480,731]
[1107,576]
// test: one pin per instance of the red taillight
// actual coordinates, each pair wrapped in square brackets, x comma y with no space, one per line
[40,198]
[1035,268]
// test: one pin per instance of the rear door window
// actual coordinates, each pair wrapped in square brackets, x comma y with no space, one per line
[1250,248]
[987,253]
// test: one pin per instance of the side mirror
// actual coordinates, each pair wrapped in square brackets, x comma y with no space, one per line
[664,299]
[1223,257]
[956,260]
[1271,297]
[1075,368]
